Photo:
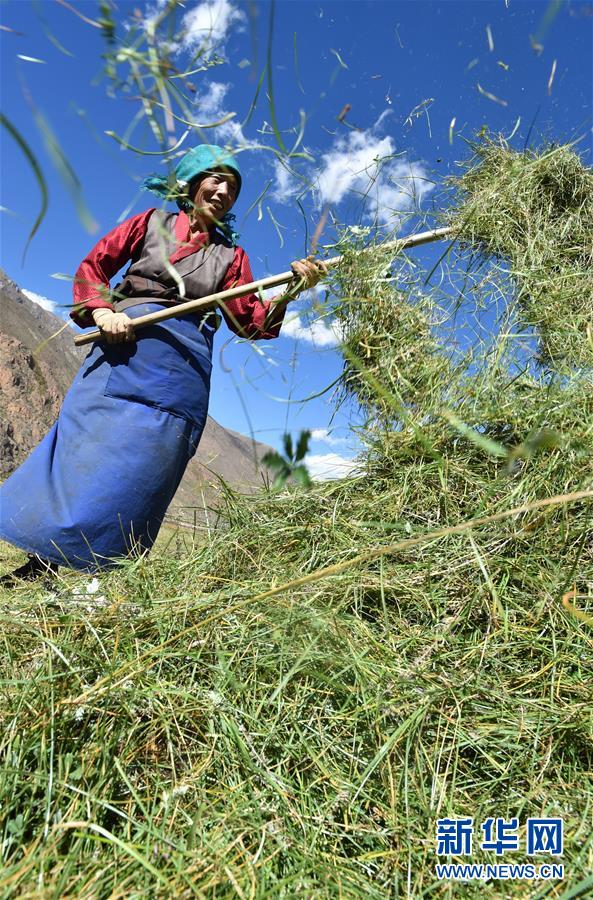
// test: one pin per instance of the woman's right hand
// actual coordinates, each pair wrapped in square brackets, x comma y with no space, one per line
[117,327]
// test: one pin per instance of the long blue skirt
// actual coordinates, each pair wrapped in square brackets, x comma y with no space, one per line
[98,485]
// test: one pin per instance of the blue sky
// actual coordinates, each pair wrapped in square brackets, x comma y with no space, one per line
[407,70]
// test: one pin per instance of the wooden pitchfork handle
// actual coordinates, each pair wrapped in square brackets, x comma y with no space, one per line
[214,300]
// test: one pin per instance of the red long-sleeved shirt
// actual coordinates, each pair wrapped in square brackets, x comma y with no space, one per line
[246,316]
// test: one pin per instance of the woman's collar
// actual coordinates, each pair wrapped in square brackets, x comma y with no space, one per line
[183,233]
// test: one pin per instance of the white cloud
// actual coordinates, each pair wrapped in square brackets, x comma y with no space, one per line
[351,165]
[316,331]
[361,164]
[322,434]
[210,107]
[326,466]
[401,187]
[45,302]
[204,28]
[207,25]
[211,102]
[286,185]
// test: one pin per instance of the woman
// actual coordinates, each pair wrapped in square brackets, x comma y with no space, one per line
[98,485]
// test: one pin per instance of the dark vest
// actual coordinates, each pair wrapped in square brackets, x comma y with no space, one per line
[148,278]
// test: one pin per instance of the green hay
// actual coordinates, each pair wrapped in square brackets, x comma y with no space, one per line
[235,720]
[305,743]
[393,363]
[534,211]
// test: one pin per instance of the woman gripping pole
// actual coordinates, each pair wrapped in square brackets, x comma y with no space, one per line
[98,485]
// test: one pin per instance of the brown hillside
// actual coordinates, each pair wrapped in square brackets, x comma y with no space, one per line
[36,373]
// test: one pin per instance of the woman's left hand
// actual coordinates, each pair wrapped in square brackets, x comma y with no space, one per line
[309,271]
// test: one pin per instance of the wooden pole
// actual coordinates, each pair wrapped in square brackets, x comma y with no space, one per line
[214,300]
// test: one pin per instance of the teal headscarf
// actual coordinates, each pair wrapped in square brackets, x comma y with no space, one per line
[205,158]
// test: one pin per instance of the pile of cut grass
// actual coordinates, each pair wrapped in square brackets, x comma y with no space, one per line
[288,709]
[393,364]
[533,210]
[220,725]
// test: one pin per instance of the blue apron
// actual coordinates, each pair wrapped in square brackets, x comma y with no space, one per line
[98,485]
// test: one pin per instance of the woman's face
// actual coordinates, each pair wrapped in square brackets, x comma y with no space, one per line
[215,194]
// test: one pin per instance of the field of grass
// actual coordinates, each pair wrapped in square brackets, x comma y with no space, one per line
[288,707]
[201,727]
